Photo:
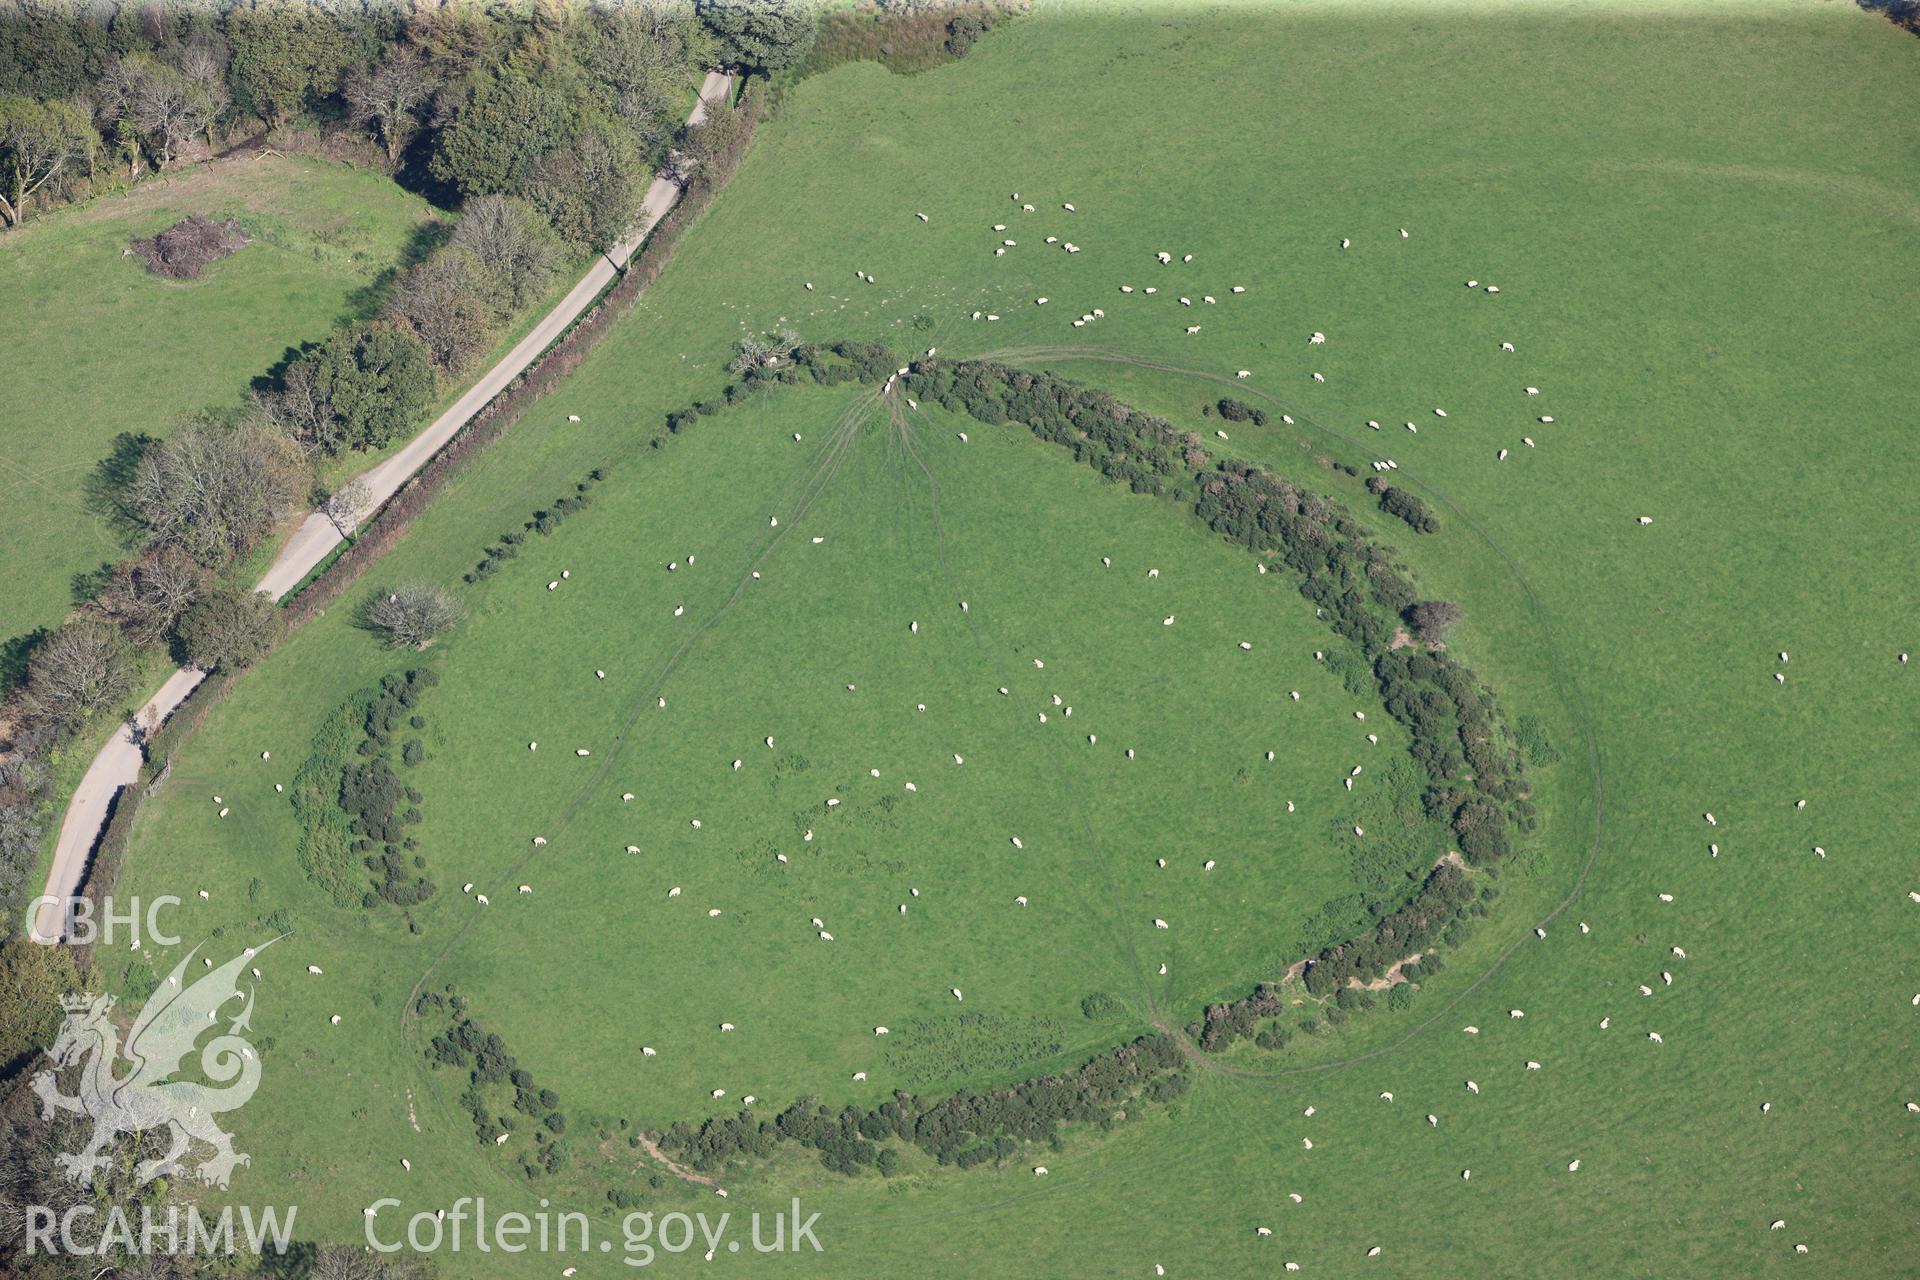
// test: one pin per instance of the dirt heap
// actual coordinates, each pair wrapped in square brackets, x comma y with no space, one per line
[186,248]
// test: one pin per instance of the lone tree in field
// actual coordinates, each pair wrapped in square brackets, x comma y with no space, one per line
[228,629]
[83,668]
[1433,618]
[384,97]
[37,141]
[413,614]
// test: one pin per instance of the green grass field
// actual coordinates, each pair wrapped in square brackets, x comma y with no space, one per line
[104,347]
[1683,206]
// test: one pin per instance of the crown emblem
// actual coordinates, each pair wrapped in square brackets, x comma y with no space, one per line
[84,1001]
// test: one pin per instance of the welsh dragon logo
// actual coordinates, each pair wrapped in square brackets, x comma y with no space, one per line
[147,1098]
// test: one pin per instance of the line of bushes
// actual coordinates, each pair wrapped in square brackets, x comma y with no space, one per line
[969,1128]
[544,522]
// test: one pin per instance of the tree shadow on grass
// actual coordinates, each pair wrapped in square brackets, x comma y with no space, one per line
[88,584]
[422,241]
[106,487]
[16,653]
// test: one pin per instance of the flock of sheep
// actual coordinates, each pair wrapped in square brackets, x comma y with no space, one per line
[1515,1070]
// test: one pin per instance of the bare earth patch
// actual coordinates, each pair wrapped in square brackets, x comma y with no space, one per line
[190,246]
[680,1171]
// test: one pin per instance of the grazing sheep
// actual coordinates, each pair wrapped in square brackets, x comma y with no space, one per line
[1317,339]
[1655,1037]
[1244,373]
[1506,346]
[1319,377]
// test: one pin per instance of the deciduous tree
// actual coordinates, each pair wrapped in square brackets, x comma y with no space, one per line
[37,141]
[228,629]
[211,490]
[387,95]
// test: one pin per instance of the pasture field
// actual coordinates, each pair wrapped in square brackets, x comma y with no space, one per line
[99,346]
[1682,207]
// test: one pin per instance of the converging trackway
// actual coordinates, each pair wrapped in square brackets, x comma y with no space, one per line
[118,763]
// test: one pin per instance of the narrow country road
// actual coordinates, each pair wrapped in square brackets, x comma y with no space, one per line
[118,763]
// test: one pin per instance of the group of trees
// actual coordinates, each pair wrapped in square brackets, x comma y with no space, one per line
[568,105]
